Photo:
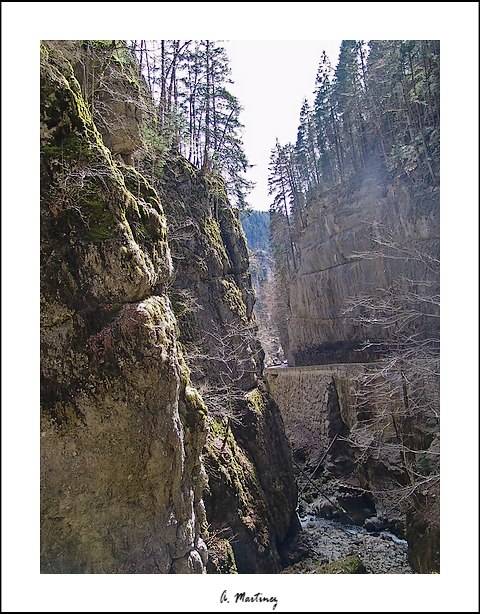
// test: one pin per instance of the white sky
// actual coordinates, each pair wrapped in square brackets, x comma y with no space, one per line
[271,80]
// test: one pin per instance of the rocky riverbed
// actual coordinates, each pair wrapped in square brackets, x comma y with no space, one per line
[353,549]
[341,534]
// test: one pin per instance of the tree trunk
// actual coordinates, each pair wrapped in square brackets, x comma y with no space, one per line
[207,107]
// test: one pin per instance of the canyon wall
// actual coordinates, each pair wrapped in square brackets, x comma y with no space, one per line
[256,225]
[340,229]
[251,497]
[374,386]
[122,429]
[335,437]
[143,264]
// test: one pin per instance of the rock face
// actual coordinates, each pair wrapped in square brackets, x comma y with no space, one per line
[252,495]
[124,430]
[261,266]
[339,228]
[333,437]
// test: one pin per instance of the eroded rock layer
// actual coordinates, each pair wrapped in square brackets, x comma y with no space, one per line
[346,474]
[366,291]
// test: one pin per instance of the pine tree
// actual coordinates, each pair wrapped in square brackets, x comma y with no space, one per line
[305,149]
[281,190]
[323,119]
[197,113]
[346,99]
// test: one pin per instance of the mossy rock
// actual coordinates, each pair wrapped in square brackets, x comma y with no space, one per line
[211,230]
[232,466]
[216,190]
[70,142]
[256,401]
[233,299]
[221,558]
[349,565]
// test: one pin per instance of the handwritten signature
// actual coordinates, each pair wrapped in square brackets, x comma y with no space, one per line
[244,598]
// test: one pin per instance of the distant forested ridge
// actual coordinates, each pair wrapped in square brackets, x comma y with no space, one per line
[256,225]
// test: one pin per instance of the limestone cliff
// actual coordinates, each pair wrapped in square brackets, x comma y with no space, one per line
[323,420]
[122,429]
[333,438]
[124,432]
[251,497]
[339,227]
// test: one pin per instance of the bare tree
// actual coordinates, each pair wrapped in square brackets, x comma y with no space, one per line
[223,364]
[398,397]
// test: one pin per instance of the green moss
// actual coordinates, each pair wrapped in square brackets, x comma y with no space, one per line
[256,401]
[99,198]
[232,297]
[237,471]
[184,371]
[216,427]
[221,556]
[140,187]
[65,113]
[194,400]
[43,52]
[101,223]
[216,190]
[71,147]
[195,411]
[211,230]
[139,216]
[63,129]
[182,305]
[350,564]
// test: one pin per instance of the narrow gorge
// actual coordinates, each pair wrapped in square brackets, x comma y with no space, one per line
[223,399]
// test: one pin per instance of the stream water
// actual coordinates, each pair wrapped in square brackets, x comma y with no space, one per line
[380,552]
[325,540]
